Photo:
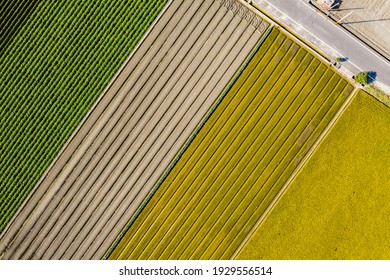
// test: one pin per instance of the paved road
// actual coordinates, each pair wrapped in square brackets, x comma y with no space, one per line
[330,38]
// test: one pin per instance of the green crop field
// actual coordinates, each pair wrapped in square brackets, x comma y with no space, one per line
[56,59]
[241,158]
[338,205]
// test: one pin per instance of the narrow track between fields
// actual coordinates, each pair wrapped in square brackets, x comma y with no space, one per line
[134,132]
[242,157]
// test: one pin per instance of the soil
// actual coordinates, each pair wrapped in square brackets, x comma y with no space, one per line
[370,19]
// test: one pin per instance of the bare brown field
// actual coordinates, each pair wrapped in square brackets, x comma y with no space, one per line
[133,133]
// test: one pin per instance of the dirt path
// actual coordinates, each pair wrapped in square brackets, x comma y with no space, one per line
[369,18]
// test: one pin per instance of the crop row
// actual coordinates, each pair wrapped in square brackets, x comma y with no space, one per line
[241,158]
[341,190]
[133,134]
[51,73]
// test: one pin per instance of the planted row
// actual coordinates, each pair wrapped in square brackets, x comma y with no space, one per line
[241,159]
[55,67]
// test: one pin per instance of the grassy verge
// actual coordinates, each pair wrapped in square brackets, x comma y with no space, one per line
[378,94]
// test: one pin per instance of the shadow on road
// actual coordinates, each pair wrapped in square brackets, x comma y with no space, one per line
[364,21]
[347,9]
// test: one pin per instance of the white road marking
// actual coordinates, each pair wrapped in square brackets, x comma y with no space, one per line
[302,27]
[346,33]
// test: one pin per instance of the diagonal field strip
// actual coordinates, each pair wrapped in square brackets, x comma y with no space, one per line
[135,131]
[342,191]
[55,62]
[300,166]
[84,124]
[241,158]
[187,143]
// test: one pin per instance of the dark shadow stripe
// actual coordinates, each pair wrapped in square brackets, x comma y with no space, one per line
[13,15]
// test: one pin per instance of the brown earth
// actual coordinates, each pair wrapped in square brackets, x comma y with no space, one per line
[134,132]
[370,19]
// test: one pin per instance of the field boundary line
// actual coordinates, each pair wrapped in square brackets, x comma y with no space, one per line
[211,189]
[240,63]
[181,168]
[353,32]
[80,125]
[254,7]
[189,140]
[193,89]
[296,171]
[298,39]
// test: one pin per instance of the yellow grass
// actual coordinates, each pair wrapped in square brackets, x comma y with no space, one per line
[241,158]
[338,205]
